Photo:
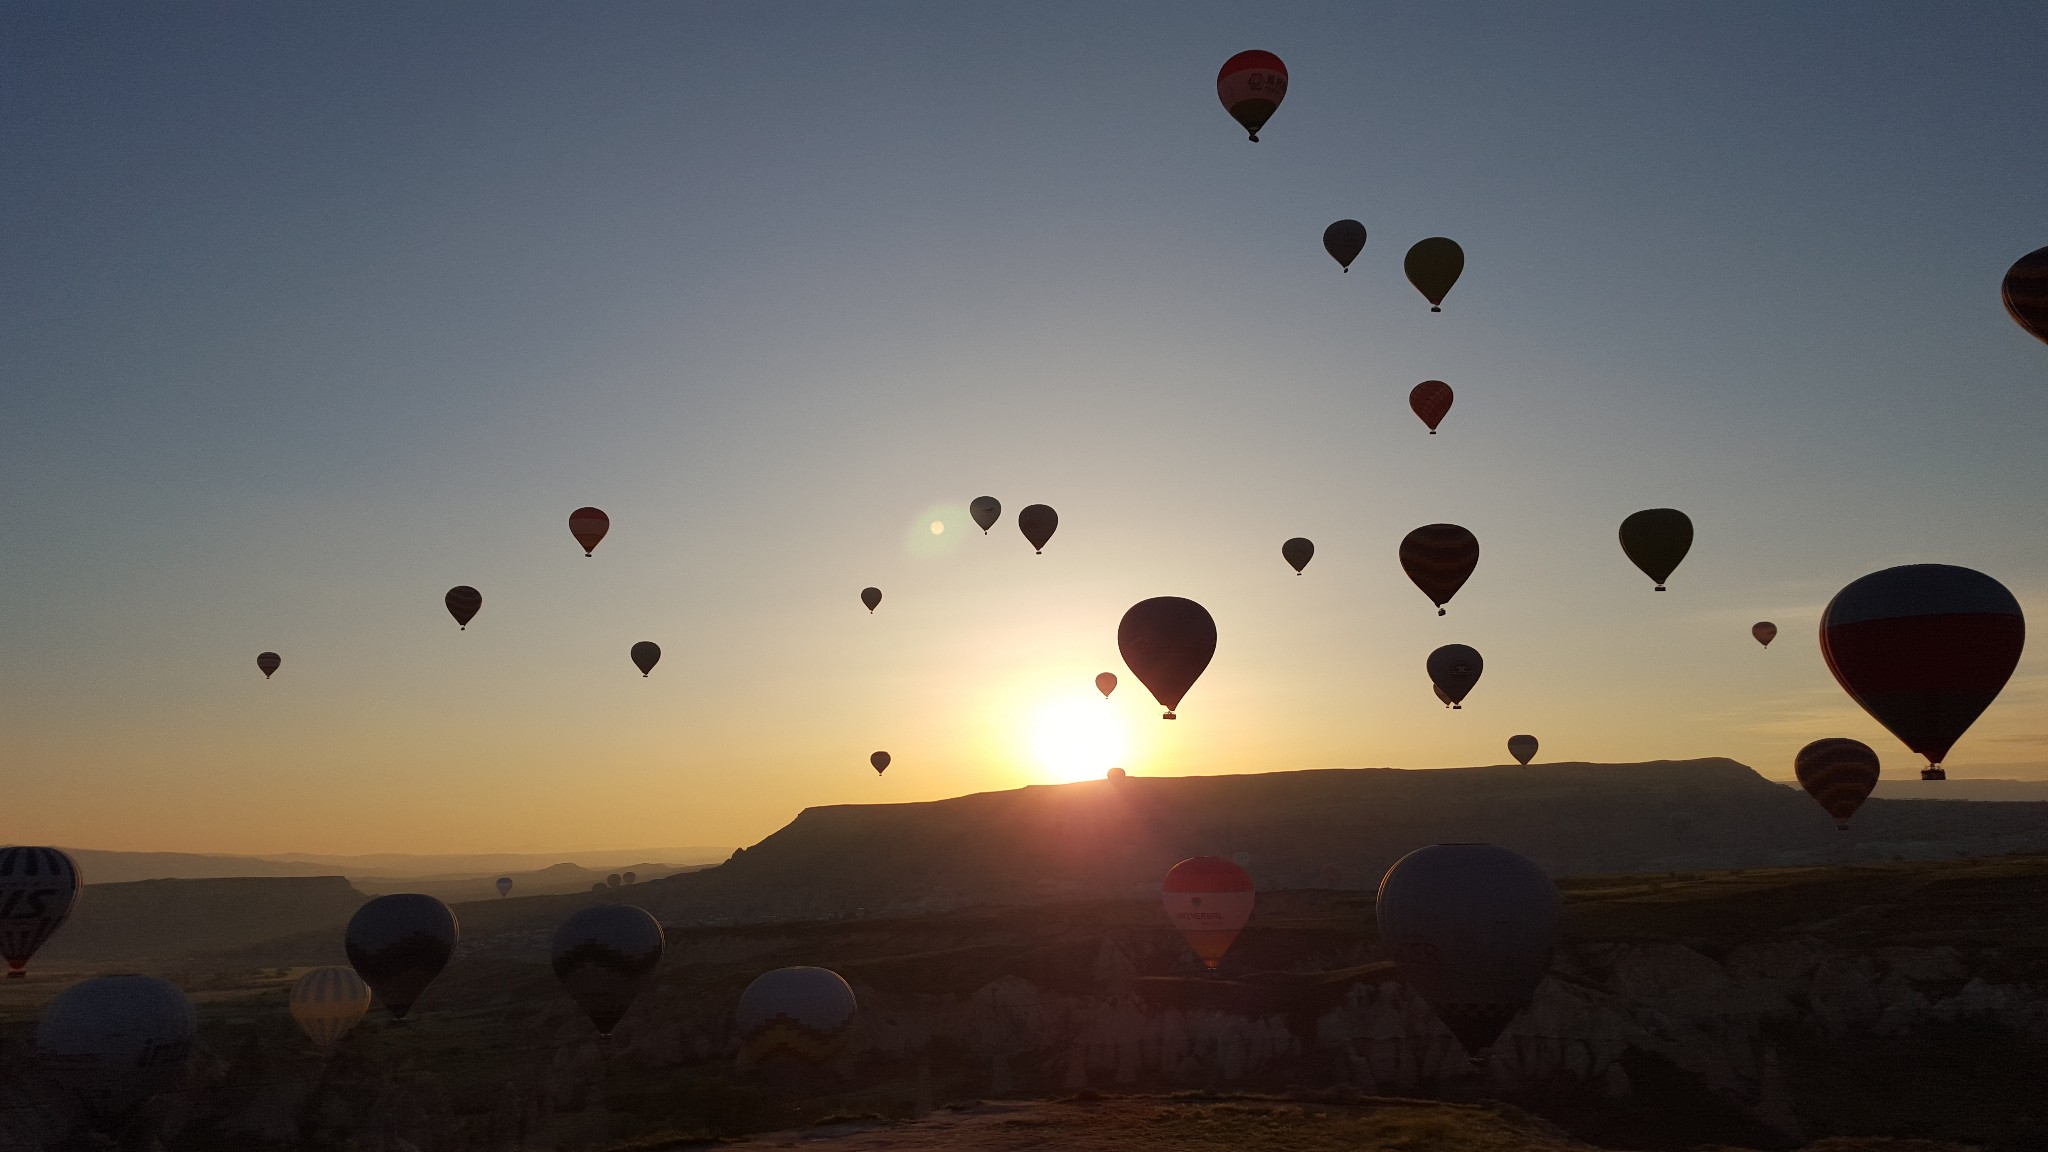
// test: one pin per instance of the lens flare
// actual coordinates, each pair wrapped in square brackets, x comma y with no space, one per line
[938,527]
[1076,738]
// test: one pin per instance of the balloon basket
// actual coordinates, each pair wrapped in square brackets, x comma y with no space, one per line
[1934,772]
[1167,716]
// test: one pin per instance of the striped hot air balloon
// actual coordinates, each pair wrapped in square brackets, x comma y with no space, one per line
[800,1014]
[328,1002]
[1839,774]
[1431,401]
[588,526]
[1210,900]
[38,888]
[1439,558]
[1251,86]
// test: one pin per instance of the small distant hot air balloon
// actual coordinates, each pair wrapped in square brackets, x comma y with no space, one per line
[1038,522]
[1431,400]
[1344,240]
[1522,748]
[802,1014]
[1839,774]
[646,654]
[1455,668]
[589,525]
[1439,558]
[115,1042]
[463,603]
[1925,649]
[2025,292]
[1251,86]
[613,880]
[1764,631]
[1434,266]
[1298,552]
[269,663]
[504,885]
[1655,540]
[398,944]
[872,597]
[986,510]
[881,762]
[1116,774]
[328,1002]
[38,888]
[605,956]
[629,878]
[1105,683]
[1210,900]
[1167,641]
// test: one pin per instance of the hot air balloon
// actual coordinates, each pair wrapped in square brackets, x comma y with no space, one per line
[327,1002]
[38,889]
[612,881]
[1105,683]
[871,597]
[1839,774]
[1431,400]
[1344,240]
[115,1042]
[881,762]
[1251,85]
[463,602]
[2026,293]
[1455,668]
[646,654]
[1656,539]
[1522,748]
[1439,558]
[1298,552]
[1433,266]
[1471,927]
[629,878]
[268,663]
[1116,774]
[398,944]
[986,510]
[1209,899]
[504,885]
[1924,648]
[605,956]
[1038,523]
[1167,641]
[1764,631]
[800,1014]
[589,525]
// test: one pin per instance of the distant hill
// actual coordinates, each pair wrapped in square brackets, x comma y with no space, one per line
[551,881]
[162,921]
[103,867]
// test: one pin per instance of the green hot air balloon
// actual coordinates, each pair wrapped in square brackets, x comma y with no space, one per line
[1656,539]
[1433,266]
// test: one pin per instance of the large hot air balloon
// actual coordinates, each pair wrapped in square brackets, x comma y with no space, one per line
[589,525]
[1167,641]
[38,888]
[986,510]
[398,944]
[1839,774]
[1655,540]
[1105,683]
[1431,400]
[1924,648]
[463,603]
[1522,748]
[872,597]
[1439,558]
[1038,522]
[504,885]
[1251,85]
[881,762]
[1471,928]
[1298,552]
[1209,899]
[327,1002]
[114,1042]
[1454,669]
[1344,240]
[801,1014]
[1433,266]
[2026,293]
[268,663]
[605,956]
[646,654]
[1764,631]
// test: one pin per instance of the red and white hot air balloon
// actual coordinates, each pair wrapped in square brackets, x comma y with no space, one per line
[1251,86]
[1209,899]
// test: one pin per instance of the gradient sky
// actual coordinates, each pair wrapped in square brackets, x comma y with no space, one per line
[314,311]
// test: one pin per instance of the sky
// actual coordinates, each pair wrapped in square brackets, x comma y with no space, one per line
[312,312]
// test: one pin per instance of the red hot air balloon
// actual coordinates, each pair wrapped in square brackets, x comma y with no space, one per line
[589,525]
[1431,400]
[38,887]
[1924,648]
[1764,631]
[1439,558]
[1839,774]
[268,663]
[1251,86]
[1167,641]
[1105,683]
[1209,899]
[463,603]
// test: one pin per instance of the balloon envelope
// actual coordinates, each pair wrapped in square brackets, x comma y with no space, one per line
[1764,631]
[1167,641]
[872,597]
[463,602]
[1434,266]
[588,526]
[1439,558]
[38,889]
[986,510]
[268,663]
[804,1014]
[646,654]
[1522,748]
[116,1041]
[398,944]
[1655,540]
[1431,400]
[327,1002]
[1298,552]
[1105,683]
[1838,773]
[1454,669]
[504,885]
[1471,927]
[1251,86]
[1210,900]
[1344,240]
[880,760]
[2025,292]
[1038,522]
[605,956]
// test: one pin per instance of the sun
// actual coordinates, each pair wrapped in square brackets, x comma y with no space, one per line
[1077,738]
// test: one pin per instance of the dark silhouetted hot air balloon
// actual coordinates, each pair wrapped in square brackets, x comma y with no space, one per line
[463,602]
[1656,539]
[1251,85]
[1839,774]
[398,944]
[612,881]
[1454,669]
[589,525]
[1344,240]
[1210,900]
[269,663]
[1038,522]
[1924,648]
[646,654]
[1105,683]
[1764,631]
[1471,927]
[504,885]
[629,878]
[1167,641]
[327,1002]
[881,762]
[799,1014]
[1433,266]
[38,888]
[2026,293]
[871,597]
[605,956]
[1522,748]
[115,1042]
[1298,552]
[986,510]
[1439,558]
[1431,400]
